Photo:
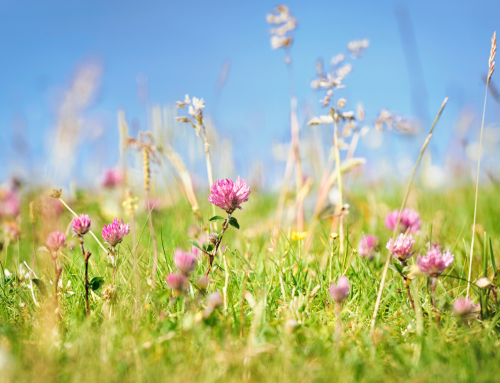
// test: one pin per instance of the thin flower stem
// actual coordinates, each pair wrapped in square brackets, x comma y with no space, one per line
[338,323]
[407,284]
[403,205]
[433,298]
[226,283]
[225,225]
[57,272]
[477,190]
[34,246]
[136,273]
[56,279]
[153,238]
[86,256]
[339,180]
[209,169]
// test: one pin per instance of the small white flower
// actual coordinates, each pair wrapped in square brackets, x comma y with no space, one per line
[187,100]
[342,144]
[315,83]
[198,103]
[270,18]
[338,59]
[320,120]
[341,103]
[361,112]
[182,119]
[364,130]
[8,274]
[180,104]
[483,283]
[358,47]
[191,111]
[280,41]
[344,70]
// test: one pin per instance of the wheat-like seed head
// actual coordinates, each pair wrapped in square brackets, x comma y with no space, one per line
[32,212]
[145,166]
[491,62]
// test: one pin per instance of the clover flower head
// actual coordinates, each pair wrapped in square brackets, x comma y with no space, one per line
[112,178]
[410,221]
[55,241]
[213,238]
[367,246]
[215,299]
[81,225]
[177,281]
[463,307]
[202,283]
[229,195]
[340,291]
[10,203]
[114,233]
[184,261]
[436,262]
[401,247]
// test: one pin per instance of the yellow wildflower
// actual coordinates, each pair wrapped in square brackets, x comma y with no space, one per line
[297,235]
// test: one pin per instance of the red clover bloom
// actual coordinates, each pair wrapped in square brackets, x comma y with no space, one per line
[410,221]
[463,307]
[55,241]
[340,291]
[112,178]
[214,300]
[81,225]
[436,262]
[202,283]
[114,233]
[229,195]
[401,247]
[10,203]
[184,261]
[177,281]
[367,246]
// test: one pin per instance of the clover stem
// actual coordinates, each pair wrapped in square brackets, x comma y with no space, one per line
[225,225]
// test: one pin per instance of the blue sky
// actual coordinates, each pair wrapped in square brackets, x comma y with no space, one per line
[181,47]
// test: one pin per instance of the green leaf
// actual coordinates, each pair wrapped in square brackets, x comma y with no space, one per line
[110,265]
[41,285]
[195,244]
[234,223]
[208,247]
[96,283]
[492,258]
[217,218]
[406,270]
[485,256]
[397,268]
